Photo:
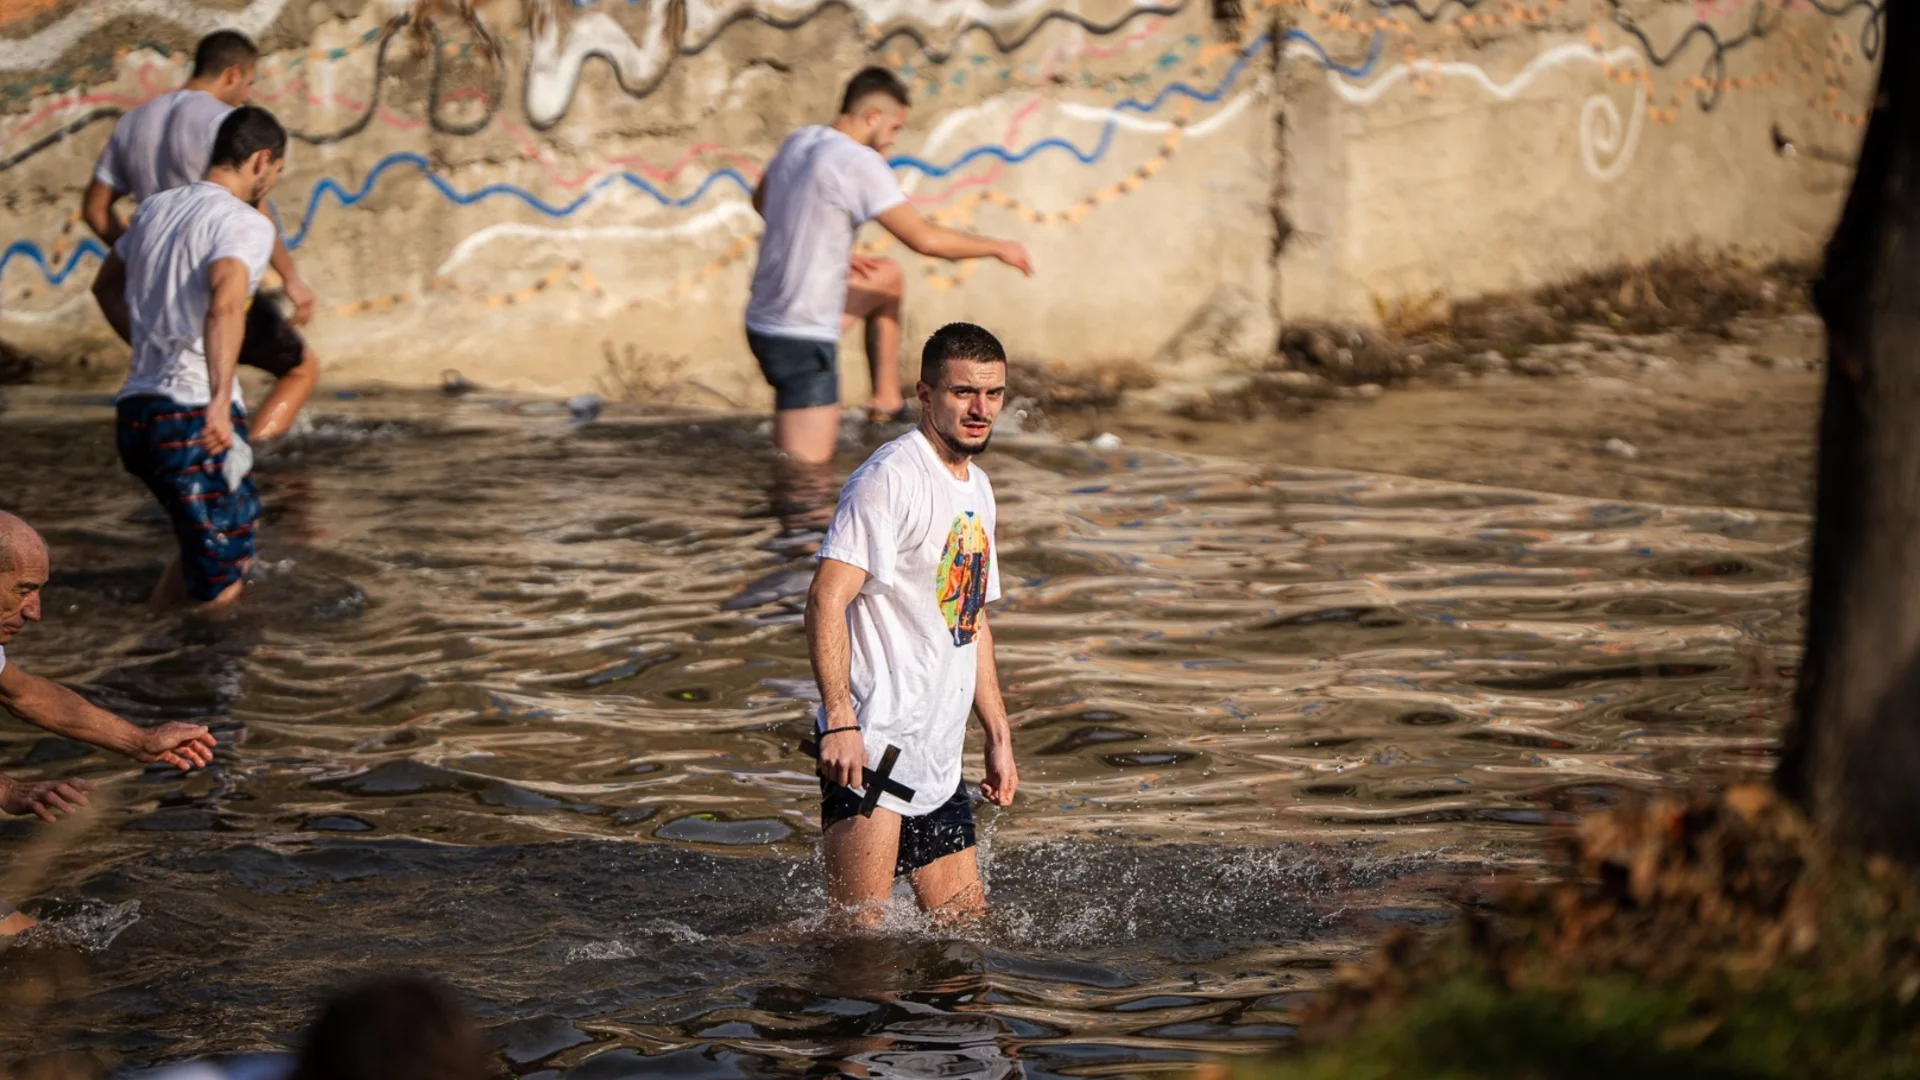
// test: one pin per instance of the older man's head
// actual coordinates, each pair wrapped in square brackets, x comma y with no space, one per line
[23,571]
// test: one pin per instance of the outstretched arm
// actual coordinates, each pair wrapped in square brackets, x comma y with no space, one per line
[46,704]
[110,290]
[1003,777]
[830,644]
[940,242]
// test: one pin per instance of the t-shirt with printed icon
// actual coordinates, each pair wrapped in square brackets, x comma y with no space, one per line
[925,539]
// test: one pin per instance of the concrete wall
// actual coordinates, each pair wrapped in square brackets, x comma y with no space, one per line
[573,215]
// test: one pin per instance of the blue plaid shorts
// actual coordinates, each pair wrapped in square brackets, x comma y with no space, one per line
[160,444]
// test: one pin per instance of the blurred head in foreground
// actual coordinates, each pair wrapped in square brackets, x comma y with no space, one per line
[394,1029]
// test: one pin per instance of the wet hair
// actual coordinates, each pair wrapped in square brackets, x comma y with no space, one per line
[870,81]
[401,1028]
[245,132]
[221,50]
[958,341]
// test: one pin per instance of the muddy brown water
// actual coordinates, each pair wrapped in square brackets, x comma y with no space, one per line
[514,701]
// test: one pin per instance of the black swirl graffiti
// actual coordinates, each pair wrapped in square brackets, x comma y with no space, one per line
[926,48]
[54,138]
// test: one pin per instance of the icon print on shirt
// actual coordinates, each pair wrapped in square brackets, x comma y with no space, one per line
[962,581]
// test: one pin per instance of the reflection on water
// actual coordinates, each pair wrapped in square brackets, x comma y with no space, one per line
[514,701]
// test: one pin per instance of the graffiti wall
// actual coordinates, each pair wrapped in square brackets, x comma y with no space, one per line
[552,194]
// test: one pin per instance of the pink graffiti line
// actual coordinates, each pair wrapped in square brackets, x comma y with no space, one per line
[988,177]
[62,104]
[531,150]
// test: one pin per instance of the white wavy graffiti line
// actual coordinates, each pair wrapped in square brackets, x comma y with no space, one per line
[706,221]
[553,72]
[1601,128]
[57,313]
[47,46]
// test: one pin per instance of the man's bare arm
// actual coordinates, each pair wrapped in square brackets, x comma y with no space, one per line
[110,290]
[226,327]
[830,644]
[290,279]
[48,705]
[96,209]
[1003,778]
[940,242]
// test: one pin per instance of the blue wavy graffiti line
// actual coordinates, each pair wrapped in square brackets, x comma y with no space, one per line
[346,197]
[27,249]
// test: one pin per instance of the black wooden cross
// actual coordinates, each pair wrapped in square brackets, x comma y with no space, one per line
[875,781]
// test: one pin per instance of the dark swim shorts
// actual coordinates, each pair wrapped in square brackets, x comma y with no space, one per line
[270,344]
[946,830]
[804,374]
[159,444]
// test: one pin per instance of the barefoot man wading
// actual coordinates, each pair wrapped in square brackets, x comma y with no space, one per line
[44,704]
[809,287]
[177,287]
[897,627]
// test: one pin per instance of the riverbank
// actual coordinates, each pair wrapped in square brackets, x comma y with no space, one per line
[1678,418]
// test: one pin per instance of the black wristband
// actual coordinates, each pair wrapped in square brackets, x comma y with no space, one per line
[837,730]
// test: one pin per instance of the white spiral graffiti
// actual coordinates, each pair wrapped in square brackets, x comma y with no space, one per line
[1603,133]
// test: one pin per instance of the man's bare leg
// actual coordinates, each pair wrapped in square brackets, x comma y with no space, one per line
[171,592]
[807,435]
[860,853]
[949,888]
[290,392]
[875,290]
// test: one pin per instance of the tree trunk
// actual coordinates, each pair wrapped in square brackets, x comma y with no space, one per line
[1852,754]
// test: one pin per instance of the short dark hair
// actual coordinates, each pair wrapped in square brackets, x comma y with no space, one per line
[394,1029]
[958,341]
[870,81]
[221,50]
[245,132]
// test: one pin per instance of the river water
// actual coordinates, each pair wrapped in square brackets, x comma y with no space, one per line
[514,701]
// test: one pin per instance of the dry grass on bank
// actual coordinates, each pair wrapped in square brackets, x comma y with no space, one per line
[1712,937]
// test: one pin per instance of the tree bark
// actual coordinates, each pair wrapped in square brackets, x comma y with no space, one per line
[1852,753]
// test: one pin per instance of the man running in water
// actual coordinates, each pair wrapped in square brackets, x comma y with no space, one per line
[167,143]
[897,628]
[809,287]
[23,572]
[178,285]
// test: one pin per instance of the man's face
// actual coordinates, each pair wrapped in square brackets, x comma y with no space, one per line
[263,169]
[962,409]
[236,85]
[20,590]
[885,117]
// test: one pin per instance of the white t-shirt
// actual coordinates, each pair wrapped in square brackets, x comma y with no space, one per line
[925,539]
[170,248]
[162,144]
[820,186]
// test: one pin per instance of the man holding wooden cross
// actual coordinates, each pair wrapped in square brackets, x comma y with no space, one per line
[897,627]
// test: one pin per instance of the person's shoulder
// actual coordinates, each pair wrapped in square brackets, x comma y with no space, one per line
[895,461]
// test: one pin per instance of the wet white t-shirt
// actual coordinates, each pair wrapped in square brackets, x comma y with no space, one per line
[170,248]
[820,186]
[925,539]
[162,144]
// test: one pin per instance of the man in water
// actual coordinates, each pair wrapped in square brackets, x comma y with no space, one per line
[897,628]
[177,286]
[46,704]
[809,287]
[167,143]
